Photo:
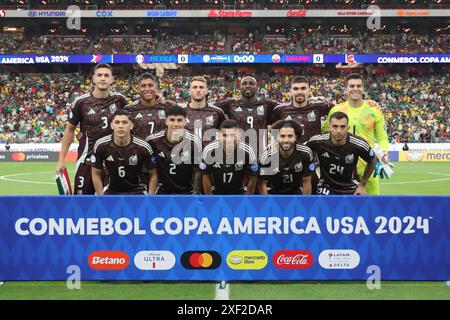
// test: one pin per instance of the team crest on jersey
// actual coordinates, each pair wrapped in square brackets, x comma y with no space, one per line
[311,116]
[349,158]
[260,110]
[112,108]
[298,167]
[133,160]
[185,156]
[209,120]
[239,166]
[161,114]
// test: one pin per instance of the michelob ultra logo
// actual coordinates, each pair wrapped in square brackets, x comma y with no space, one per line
[247,259]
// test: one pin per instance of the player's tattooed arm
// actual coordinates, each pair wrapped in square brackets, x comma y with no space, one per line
[251,185]
[153,183]
[370,166]
[307,185]
[97,180]
[66,142]
[207,183]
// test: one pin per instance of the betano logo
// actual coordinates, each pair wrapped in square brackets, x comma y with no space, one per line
[201,260]
[247,259]
[108,260]
[293,259]
[154,260]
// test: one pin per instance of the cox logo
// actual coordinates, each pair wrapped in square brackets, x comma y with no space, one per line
[339,259]
[244,59]
[154,260]
[293,259]
[247,259]
[104,13]
[108,260]
[201,260]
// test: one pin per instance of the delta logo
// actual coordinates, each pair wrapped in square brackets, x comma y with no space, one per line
[201,260]
[247,259]
[293,259]
[18,156]
[108,260]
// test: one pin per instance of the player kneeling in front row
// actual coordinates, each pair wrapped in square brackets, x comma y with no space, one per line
[177,153]
[125,157]
[338,153]
[286,167]
[227,161]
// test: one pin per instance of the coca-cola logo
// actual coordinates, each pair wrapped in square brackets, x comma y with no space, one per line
[296,13]
[293,259]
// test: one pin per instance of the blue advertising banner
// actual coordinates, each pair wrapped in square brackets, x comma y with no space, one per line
[226,58]
[225,237]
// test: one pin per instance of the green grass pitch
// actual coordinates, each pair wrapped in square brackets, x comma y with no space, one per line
[425,178]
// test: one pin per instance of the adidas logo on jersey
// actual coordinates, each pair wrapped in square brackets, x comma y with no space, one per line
[91,111]
[288,118]
[216,165]
[238,109]
[138,116]
[161,154]
[325,155]
[110,158]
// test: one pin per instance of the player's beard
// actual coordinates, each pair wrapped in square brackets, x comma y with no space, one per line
[300,98]
[248,94]
[286,146]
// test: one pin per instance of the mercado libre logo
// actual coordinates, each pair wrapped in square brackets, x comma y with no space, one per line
[201,260]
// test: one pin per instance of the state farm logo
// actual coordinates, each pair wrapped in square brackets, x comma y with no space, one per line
[293,259]
[201,260]
[339,259]
[154,260]
[108,260]
[229,14]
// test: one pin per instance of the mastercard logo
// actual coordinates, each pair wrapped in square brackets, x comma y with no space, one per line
[18,156]
[201,260]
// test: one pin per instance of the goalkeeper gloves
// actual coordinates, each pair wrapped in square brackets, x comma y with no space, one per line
[383,168]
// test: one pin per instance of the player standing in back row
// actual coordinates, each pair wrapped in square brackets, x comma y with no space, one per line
[93,111]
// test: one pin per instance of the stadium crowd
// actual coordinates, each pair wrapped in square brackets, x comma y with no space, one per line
[302,41]
[34,107]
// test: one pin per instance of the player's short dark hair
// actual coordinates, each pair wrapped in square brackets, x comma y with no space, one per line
[229,124]
[299,79]
[103,65]
[122,112]
[288,124]
[176,111]
[339,115]
[146,76]
[352,76]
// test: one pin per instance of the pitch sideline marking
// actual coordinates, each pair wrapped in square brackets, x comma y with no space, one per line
[421,181]
[222,291]
[6,177]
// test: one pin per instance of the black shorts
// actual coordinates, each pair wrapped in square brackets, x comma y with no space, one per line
[83,179]
[324,189]
[134,192]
